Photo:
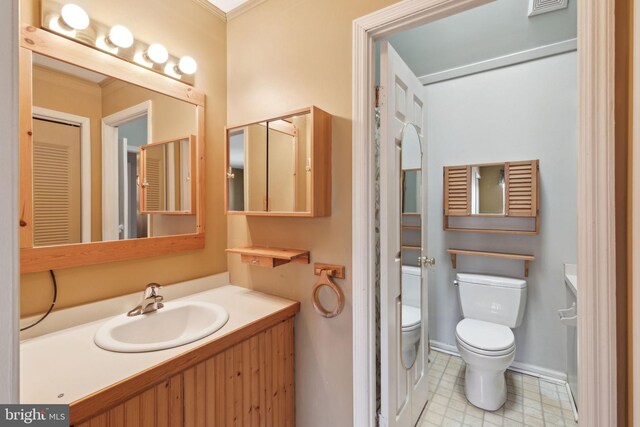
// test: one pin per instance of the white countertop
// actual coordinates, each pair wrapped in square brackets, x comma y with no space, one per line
[66,365]
[571,277]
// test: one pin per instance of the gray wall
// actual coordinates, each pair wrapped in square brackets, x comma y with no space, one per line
[9,269]
[489,31]
[523,112]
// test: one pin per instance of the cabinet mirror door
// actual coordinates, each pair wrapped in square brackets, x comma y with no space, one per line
[247,168]
[487,190]
[289,165]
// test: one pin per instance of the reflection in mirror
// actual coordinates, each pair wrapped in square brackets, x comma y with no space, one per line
[289,177]
[88,129]
[411,244]
[487,190]
[247,174]
[166,183]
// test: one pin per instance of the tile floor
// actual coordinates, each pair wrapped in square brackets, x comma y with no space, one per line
[530,400]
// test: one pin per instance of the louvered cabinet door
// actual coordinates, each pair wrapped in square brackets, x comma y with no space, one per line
[521,180]
[457,190]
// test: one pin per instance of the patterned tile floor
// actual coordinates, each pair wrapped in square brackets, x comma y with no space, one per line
[530,400]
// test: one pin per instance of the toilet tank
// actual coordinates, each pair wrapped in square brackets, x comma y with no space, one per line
[493,299]
[411,284]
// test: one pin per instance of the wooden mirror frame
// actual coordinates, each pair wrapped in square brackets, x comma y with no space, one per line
[33,259]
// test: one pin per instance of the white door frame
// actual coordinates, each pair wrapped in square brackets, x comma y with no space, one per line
[85,160]
[110,218]
[9,244]
[596,200]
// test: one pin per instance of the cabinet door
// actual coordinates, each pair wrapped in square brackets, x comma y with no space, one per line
[521,179]
[457,194]
[289,164]
[247,168]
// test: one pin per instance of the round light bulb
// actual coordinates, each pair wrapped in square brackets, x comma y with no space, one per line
[74,16]
[157,53]
[187,65]
[121,36]
[55,24]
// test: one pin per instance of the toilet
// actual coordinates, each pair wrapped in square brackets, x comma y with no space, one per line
[411,318]
[491,306]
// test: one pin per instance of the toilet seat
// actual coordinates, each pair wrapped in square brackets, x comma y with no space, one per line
[410,318]
[485,338]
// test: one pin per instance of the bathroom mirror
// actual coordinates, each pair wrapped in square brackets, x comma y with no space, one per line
[487,190]
[280,166]
[166,182]
[411,243]
[88,121]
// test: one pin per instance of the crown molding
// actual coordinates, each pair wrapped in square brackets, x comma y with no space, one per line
[243,8]
[217,12]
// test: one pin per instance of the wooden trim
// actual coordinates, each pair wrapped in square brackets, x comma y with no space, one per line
[201,199]
[67,256]
[26,148]
[596,230]
[481,230]
[48,44]
[120,392]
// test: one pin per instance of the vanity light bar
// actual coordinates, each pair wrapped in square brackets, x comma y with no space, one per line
[70,20]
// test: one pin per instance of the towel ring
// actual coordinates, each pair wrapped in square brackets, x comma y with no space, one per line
[325,280]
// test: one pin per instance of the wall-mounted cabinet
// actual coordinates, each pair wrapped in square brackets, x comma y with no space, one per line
[280,166]
[492,198]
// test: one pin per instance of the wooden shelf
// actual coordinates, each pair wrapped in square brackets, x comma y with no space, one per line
[411,227]
[518,257]
[411,248]
[270,257]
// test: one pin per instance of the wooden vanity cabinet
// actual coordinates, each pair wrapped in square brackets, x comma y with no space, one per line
[248,383]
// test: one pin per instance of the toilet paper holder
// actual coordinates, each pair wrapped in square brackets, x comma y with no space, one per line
[569,316]
[327,272]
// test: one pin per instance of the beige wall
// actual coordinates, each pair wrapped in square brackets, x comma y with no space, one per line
[171,118]
[185,28]
[63,92]
[284,55]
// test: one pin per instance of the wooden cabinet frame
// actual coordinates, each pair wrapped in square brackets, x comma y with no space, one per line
[321,138]
[521,200]
[33,259]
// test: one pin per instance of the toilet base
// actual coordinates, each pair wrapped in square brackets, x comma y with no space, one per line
[485,389]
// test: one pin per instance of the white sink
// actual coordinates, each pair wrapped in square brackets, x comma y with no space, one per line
[175,324]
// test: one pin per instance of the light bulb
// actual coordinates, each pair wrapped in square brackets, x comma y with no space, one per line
[74,16]
[157,53]
[171,70]
[56,24]
[120,36]
[187,65]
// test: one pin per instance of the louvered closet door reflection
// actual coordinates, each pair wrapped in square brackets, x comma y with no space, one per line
[56,183]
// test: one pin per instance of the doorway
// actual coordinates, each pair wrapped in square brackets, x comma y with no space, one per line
[596,253]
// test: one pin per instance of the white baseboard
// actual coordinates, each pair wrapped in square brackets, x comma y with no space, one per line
[523,368]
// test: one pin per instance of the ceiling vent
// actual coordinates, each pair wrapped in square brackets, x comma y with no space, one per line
[537,7]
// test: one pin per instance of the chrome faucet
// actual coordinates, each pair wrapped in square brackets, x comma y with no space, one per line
[151,301]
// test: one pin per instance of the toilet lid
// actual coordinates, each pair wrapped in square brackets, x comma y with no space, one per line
[485,335]
[410,316]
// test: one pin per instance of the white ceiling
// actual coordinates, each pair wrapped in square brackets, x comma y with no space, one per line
[227,5]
